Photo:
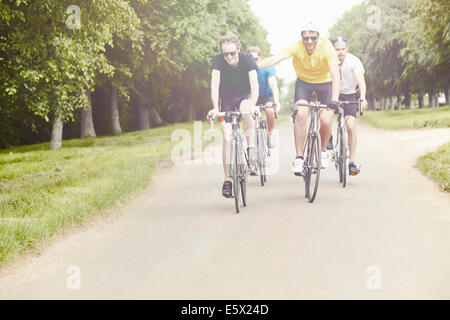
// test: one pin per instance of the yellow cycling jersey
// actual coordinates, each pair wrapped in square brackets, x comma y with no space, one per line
[313,68]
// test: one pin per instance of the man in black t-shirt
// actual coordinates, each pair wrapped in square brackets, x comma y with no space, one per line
[234,82]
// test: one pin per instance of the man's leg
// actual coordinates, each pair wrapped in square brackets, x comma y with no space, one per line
[250,133]
[270,113]
[249,124]
[300,128]
[326,125]
[350,122]
[226,149]
[352,136]
[326,120]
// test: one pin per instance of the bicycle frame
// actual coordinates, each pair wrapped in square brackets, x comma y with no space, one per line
[236,137]
[238,158]
[311,150]
[262,146]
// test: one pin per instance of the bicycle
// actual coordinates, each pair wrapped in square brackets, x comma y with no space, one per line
[262,144]
[340,150]
[239,163]
[312,160]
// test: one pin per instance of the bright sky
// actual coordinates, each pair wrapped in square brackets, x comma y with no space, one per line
[283,20]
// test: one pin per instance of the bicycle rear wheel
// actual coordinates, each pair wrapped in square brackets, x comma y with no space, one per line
[339,155]
[343,159]
[235,172]
[313,167]
[243,173]
[262,151]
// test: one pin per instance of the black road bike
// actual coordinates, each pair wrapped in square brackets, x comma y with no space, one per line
[239,165]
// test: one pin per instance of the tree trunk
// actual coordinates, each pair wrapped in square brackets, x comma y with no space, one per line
[177,112]
[432,99]
[383,103]
[115,119]
[189,107]
[436,100]
[143,112]
[87,122]
[399,103]
[390,105]
[372,103]
[408,100]
[57,133]
[155,118]
[421,102]
[447,95]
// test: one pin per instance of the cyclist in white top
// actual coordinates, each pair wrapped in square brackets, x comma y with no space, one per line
[352,76]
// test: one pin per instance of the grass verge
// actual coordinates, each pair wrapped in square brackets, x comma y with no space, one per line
[436,165]
[44,192]
[409,119]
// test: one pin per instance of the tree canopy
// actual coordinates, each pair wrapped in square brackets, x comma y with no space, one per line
[154,54]
[407,52]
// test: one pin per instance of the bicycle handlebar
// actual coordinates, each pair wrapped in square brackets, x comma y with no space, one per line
[227,114]
[324,106]
[312,105]
[262,107]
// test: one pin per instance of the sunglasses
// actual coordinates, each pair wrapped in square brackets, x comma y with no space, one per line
[232,53]
[307,38]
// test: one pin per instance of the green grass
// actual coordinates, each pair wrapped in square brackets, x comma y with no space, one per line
[409,119]
[436,165]
[44,192]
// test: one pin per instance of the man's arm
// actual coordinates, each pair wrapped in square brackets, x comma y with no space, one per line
[254,86]
[215,83]
[276,93]
[273,60]
[362,88]
[335,82]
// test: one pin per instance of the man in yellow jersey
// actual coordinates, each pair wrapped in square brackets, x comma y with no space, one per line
[317,67]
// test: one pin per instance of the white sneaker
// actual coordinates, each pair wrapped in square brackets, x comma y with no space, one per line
[297,166]
[324,159]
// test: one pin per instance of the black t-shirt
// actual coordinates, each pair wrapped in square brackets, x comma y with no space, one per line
[234,82]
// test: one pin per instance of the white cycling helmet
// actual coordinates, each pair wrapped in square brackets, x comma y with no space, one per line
[309,26]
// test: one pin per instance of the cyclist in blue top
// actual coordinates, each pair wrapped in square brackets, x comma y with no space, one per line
[268,92]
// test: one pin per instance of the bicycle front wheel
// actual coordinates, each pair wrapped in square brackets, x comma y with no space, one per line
[235,172]
[343,159]
[243,174]
[313,167]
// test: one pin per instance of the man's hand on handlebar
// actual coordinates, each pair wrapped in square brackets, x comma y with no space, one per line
[255,112]
[363,103]
[277,107]
[333,105]
[212,114]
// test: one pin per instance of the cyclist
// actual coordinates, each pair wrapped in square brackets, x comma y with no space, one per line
[316,64]
[234,82]
[268,93]
[352,75]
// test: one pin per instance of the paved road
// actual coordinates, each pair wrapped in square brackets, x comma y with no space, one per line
[386,235]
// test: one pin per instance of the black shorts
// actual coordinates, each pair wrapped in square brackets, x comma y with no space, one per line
[349,109]
[262,100]
[304,91]
[231,104]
